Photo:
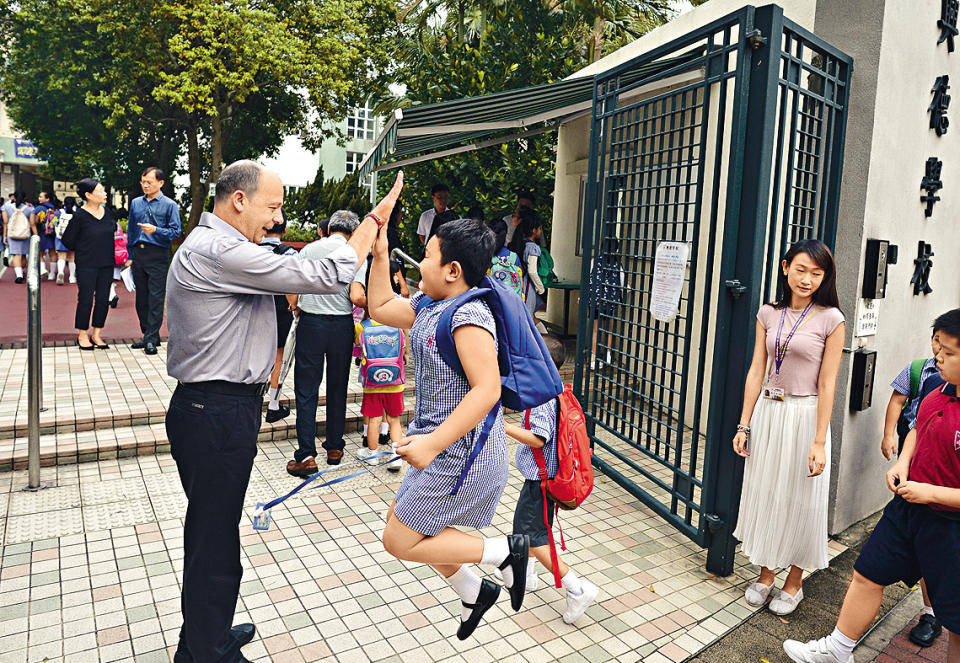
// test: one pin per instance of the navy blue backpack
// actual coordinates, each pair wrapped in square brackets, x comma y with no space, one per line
[528,376]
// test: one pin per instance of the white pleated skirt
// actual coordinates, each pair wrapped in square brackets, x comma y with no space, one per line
[783,512]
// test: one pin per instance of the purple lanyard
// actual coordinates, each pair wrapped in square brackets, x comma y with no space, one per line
[780,351]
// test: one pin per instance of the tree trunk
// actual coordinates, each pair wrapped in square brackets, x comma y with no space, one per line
[198,188]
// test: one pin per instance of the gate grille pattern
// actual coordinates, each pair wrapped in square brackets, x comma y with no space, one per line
[648,382]
[735,151]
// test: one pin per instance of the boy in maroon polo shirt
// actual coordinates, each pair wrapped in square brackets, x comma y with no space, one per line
[919,533]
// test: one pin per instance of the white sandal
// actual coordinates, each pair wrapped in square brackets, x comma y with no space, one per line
[784,604]
[757,594]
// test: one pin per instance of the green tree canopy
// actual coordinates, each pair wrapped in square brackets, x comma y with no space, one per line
[214,79]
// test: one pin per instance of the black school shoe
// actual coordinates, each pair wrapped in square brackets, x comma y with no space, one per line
[277,415]
[243,633]
[518,559]
[926,632]
[489,593]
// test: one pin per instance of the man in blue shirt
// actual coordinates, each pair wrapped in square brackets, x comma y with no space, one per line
[153,225]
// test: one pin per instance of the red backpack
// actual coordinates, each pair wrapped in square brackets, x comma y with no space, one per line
[574,478]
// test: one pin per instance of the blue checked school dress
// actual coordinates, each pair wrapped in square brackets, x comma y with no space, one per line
[424,503]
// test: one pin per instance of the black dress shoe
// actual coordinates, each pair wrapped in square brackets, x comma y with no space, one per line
[518,559]
[86,347]
[926,632]
[114,301]
[489,592]
[139,345]
[277,415]
[384,438]
[243,633]
[150,349]
[19,279]
[103,346]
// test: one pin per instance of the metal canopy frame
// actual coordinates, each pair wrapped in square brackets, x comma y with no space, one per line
[432,131]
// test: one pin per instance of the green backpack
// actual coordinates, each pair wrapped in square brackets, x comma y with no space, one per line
[545,269]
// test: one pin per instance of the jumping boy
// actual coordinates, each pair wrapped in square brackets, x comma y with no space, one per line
[528,516]
[448,421]
[919,533]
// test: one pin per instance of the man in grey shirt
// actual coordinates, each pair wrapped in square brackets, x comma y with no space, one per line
[325,340]
[223,327]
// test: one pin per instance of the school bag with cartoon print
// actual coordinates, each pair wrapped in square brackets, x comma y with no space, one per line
[47,219]
[505,268]
[382,362]
[63,220]
[573,481]
[528,376]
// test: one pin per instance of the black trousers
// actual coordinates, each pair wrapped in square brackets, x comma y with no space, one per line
[321,339]
[93,289]
[150,265]
[213,439]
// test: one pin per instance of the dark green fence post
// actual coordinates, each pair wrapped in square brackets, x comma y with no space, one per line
[748,193]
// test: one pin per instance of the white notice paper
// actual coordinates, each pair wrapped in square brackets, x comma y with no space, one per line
[126,275]
[669,271]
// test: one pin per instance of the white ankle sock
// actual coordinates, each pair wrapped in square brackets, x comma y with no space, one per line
[43,268]
[841,645]
[18,271]
[113,290]
[61,266]
[571,583]
[928,610]
[365,427]
[73,270]
[384,428]
[495,551]
[466,584]
[274,399]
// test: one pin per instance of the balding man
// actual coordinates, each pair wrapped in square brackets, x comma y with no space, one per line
[222,323]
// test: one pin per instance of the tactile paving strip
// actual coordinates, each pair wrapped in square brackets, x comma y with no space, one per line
[117,514]
[44,501]
[115,490]
[54,523]
[166,483]
[170,506]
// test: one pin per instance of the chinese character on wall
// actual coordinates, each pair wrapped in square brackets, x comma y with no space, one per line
[931,183]
[938,107]
[948,22]
[921,274]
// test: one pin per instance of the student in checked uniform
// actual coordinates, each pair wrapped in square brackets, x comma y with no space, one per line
[448,419]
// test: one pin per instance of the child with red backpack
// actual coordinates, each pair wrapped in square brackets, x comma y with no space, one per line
[538,460]
[467,337]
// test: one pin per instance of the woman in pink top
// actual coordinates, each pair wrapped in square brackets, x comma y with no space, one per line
[784,431]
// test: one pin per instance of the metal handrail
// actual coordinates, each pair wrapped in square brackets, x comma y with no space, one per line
[398,253]
[34,366]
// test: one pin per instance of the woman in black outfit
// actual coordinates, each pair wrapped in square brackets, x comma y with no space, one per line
[90,236]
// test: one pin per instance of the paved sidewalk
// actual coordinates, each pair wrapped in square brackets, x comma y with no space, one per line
[58,305]
[91,569]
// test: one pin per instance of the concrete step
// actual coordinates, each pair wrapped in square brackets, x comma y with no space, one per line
[121,412]
[68,447]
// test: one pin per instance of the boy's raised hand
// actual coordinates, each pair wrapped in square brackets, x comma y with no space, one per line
[418,450]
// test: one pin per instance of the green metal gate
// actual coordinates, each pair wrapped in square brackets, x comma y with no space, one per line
[736,152]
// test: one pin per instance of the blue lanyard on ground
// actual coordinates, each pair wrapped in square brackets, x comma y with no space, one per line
[261,516]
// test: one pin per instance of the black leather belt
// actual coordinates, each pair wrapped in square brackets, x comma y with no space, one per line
[147,245]
[228,388]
